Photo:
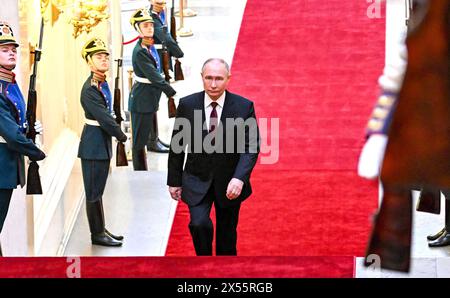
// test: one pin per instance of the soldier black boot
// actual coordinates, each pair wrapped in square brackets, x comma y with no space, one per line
[119,238]
[444,238]
[97,225]
[437,235]
[154,144]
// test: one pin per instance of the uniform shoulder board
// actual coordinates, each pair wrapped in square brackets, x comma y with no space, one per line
[94,83]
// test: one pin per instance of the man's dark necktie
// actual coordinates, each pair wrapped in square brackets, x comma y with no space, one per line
[213,121]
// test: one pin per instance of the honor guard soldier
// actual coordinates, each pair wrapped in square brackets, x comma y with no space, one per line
[147,89]
[95,148]
[372,155]
[162,35]
[162,38]
[13,142]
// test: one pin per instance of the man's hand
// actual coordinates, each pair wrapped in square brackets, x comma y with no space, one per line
[372,156]
[175,192]
[234,188]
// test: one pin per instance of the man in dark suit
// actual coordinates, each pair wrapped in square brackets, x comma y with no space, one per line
[146,91]
[220,131]
[13,142]
[95,148]
[162,39]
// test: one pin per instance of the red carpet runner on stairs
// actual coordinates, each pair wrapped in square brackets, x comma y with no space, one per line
[314,65]
[175,267]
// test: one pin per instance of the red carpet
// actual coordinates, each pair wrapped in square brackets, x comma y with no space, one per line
[314,65]
[178,267]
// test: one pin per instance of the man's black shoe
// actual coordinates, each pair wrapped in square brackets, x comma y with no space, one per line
[162,143]
[157,147]
[120,238]
[436,236]
[104,240]
[444,240]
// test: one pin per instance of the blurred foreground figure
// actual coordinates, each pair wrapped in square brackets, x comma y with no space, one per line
[418,152]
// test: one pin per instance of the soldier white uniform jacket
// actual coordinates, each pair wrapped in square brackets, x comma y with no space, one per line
[390,83]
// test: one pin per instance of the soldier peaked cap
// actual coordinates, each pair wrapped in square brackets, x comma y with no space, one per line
[94,46]
[7,35]
[139,16]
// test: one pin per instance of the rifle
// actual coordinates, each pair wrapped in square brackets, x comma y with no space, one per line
[172,109]
[418,151]
[178,71]
[166,63]
[173,23]
[121,157]
[34,181]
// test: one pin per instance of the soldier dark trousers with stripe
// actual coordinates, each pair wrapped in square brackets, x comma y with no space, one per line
[95,174]
[141,124]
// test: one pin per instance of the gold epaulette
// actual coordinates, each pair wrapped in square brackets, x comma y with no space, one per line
[94,83]
[382,109]
[375,125]
[386,101]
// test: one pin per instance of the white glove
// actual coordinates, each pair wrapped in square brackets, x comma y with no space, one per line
[38,127]
[371,157]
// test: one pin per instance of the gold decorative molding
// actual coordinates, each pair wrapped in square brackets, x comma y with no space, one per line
[51,9]
[87,14]
[44,5]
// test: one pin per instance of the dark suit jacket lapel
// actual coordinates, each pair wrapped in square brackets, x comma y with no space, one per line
[227,112]
[227,108]
[201,106]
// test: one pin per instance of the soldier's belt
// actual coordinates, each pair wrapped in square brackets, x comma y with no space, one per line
[142,80]
[91,122]
[2,140]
